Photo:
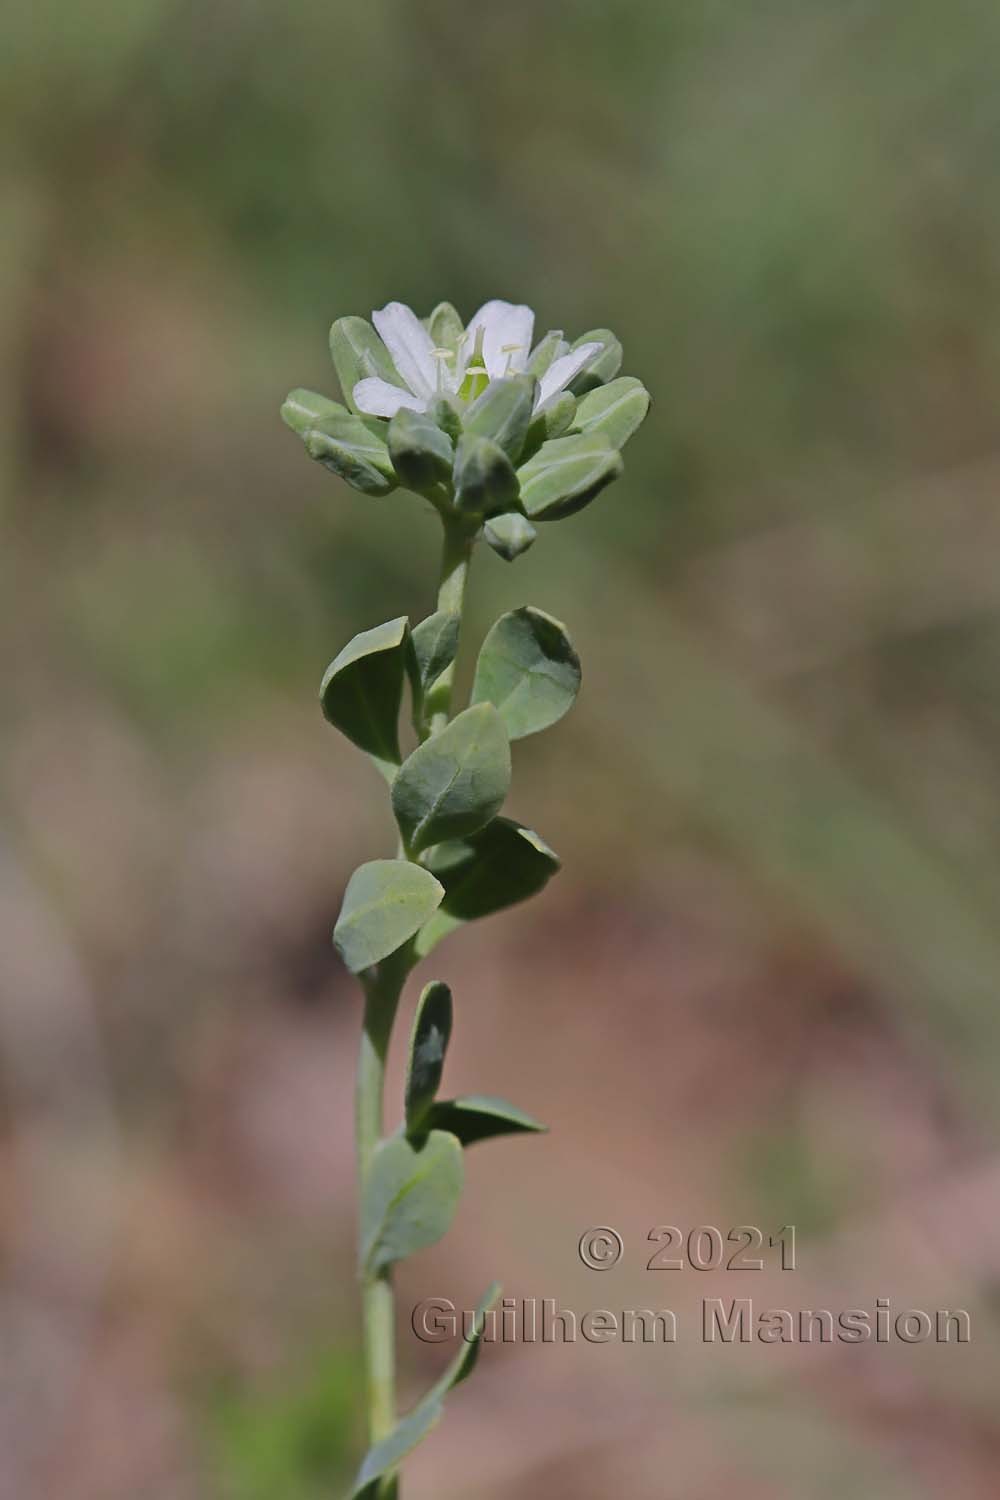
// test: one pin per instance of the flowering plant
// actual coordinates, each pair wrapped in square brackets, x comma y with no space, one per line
[496,434]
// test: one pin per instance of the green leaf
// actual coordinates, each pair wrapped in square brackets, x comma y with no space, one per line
[509,535]
[385,1456]
[503,412]
[566,474]
[602,366]
[410,1196]
[615,410]
[421,453]
[386,902]
[484,477]
[303,410]
[477,1117]
[428,1045]
[357,353]
[454,782]
[502,864]
[350,449]
[362,689]
[435,644]
[528,670]
[445,326]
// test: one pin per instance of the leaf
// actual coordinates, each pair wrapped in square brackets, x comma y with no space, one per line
[386,1456]
[509,535]
[528,670]
[428,1045]
[602,366]
[421,453]
[502,413]
[445,326]
[362,689]
[351,450]
[358,353]
[484,477]
[566,474]
[454,782]
[302,410]
[501,865]
[478,1117]
[410,1196]
[386,902]
[615,410]
[435,644]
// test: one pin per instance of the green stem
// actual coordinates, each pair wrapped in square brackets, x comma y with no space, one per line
[459,540]
[382,992]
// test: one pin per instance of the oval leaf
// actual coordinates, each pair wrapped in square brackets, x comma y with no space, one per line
[566,474]
[386,1456]
[484,477]
[509,535]
[428,1045]
[362,689]
[615,410]
[503,412]
[421,453]
[477,1117]
[528,670]
[501,865]
[454,783]
[386,902]
[359,353]
[435,644]
[410,1196]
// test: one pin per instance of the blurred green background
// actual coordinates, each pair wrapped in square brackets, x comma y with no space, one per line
[764,989]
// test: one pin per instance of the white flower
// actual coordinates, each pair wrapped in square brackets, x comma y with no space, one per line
[496,342]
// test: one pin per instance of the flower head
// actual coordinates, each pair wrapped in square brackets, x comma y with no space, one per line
[495,343]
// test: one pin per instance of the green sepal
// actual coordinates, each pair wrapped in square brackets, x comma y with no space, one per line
[485,481]
[444,413]
[509,535]
[602,366]
[428,1045]
[551,422]
[354,452]
[528,670]
[445,326]
[545,352]
[302,410]
[357,353]
[478,1117]
[362,689]
[420,451]
[566,474]
[386,902]
[503,864]
[455,782]
[616,410]
[409,1198]
[503,413]
[385,1457]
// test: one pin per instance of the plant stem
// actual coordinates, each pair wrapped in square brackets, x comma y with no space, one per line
[459,540]
[382,992]
[383,986]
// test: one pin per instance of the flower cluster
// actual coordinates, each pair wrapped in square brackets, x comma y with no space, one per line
[477,418]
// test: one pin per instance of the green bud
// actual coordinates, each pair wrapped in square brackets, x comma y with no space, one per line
[445,326]
[357,353]
[503,413]
[509,535]
[566,474]
[615,410]
[303,410]
[349,449]
[551,422]
[545,352]
[485,481]
[602,366]
[421,453]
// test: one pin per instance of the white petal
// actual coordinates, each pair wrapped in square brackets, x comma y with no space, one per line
[377,398]
[562,370]
[409,343]
[507,332]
